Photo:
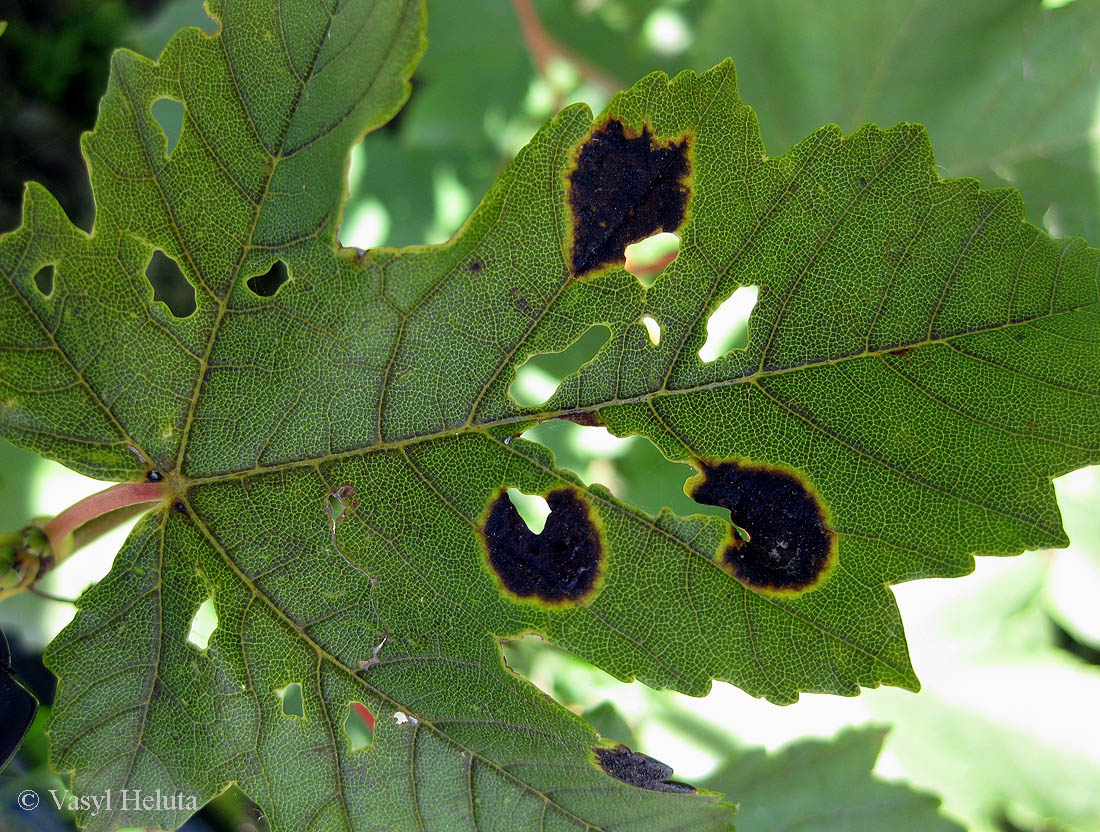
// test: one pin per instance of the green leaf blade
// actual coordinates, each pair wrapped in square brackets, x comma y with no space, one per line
[231,194]
[161,713]
[1006,89]
[61,348]
[826,785]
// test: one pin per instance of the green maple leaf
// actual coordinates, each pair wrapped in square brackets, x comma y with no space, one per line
[920,364]
[966,71]
[826,786]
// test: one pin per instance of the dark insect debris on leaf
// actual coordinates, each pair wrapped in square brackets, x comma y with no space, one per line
[639,770]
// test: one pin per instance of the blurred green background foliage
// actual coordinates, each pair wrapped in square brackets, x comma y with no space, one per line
[1005,730]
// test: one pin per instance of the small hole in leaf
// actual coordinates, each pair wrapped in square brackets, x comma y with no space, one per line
[653,329]
[532,508]
[728,325]
[267,284]
[169,115]
[43,279]
[203,624]
[538,378]
[291,697]
[359,726]
[336,507]
[648,258]
[169,285]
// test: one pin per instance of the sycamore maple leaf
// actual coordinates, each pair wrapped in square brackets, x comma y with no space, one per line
[334,457]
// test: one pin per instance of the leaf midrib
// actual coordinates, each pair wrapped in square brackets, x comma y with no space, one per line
[535,416]
[276,158]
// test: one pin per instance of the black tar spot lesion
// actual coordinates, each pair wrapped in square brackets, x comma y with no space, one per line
[623,189]
[561,564]
[790,546]
[639,770]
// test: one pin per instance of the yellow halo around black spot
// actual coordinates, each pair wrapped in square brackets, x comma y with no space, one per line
[561,565]
[624,187]
[788,546]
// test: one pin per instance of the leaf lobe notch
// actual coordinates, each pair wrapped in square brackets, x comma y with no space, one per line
[787,546]
[560,565]
[623,188]
[639,770]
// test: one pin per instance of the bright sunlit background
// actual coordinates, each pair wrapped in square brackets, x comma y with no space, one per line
[1006,727]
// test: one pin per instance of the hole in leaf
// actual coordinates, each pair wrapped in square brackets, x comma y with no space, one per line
[366,225]
[728,325]
[267,284]
[169,115]
[653,329]
[610,723]
[291,697]
[538,377]
[170,287]
[359,726]
[203,624]
[233,803]
[632,468]
[338,502]
[533,508]
[564,677]
[648,258]
[43,279]
[579,686]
